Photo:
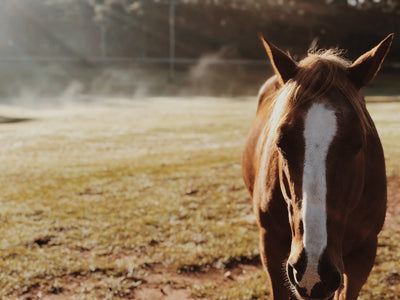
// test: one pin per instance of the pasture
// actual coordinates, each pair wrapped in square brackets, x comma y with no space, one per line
[144,199]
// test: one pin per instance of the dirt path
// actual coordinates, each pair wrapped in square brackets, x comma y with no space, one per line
[162,283]
[393,210]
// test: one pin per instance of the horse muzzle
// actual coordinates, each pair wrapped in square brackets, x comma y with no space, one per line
[323,289]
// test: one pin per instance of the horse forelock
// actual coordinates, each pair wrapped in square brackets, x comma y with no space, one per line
[318,73]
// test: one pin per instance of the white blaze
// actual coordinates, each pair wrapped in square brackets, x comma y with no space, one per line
[319,130]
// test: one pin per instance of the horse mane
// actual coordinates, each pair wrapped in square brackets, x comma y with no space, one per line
[317,73]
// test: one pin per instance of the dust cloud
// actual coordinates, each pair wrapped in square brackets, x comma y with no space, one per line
[52,84]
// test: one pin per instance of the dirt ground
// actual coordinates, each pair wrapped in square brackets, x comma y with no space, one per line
[158,281]
[155,286]
[166,284]
[393,208]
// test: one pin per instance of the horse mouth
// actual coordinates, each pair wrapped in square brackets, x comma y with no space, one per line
[300,297]
[301,294]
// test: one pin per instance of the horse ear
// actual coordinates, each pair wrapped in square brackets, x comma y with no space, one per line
[365,68]
[285,67]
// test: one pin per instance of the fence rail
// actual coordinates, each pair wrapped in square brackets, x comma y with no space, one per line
[144,60]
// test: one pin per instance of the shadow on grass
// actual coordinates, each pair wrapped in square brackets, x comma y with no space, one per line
[383,99]
[6,120]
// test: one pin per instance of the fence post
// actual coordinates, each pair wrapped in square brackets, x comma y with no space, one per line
[172,40]
[103,40]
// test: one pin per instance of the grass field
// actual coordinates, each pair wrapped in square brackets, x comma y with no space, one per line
[144,200]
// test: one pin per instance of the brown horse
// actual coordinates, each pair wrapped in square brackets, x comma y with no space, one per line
[314,166]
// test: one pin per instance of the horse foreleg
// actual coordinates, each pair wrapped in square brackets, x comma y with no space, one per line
[357,267]
[273,257]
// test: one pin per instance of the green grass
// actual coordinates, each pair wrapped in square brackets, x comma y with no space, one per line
[92,196]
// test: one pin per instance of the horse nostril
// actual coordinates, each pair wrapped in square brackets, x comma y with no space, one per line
[296,276]
[331,281]
[293,274]
[290,272]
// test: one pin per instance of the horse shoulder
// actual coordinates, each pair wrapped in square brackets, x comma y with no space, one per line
[251,152]
[261,177]
[269,205]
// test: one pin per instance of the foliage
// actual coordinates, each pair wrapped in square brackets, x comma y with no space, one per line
[73,27]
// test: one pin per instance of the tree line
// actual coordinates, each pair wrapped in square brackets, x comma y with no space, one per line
[141,28]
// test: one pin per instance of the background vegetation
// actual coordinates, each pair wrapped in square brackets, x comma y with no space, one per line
[138,28]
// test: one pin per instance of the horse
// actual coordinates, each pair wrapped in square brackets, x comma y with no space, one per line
[314,166]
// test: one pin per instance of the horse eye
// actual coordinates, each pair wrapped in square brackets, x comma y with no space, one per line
[282,140]
[353,145]
[356,145]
